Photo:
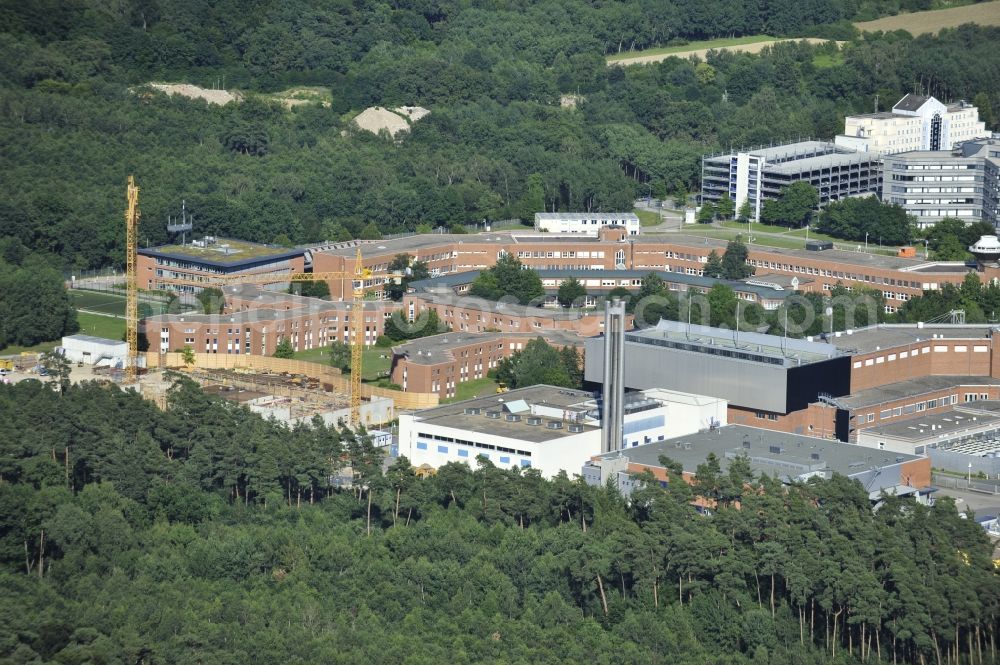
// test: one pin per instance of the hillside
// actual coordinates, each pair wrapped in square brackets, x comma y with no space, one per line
[932,22]
[283,166]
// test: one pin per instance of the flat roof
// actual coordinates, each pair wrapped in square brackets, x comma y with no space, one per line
[775,453]
[411,243]
[912,389]
[504,308]
[572,402]
[932,426]
[90,339]
[833,255]
[223,252]
[984,405]
[881,115]
[750,346]
[435,349]
[890,336]
[573,216]
[763,287]
[269,313]
[935,155]
[821,162]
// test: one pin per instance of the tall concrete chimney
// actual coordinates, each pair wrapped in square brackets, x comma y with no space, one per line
[613,416]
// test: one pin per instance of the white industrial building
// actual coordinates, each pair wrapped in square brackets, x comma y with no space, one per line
[546,428]
[915,123]
[586,223]
[91,350]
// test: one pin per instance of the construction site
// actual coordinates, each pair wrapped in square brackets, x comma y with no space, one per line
[288,397]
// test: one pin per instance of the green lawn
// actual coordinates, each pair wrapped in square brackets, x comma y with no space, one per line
[101,326]
[475,388]
[113,303]
[827,60]
[373,364]
[692,46]
[761,240]
[648,217]
[13,350]
[90,324]
[756,227]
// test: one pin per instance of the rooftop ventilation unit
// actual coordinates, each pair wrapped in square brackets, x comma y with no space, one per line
[495,415]
[472,410]
[512,418]
[554,424]
[534,421]
[575,428]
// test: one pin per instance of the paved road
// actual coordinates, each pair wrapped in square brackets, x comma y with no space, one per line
[980,502]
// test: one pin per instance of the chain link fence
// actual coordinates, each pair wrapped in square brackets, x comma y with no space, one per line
[985,486]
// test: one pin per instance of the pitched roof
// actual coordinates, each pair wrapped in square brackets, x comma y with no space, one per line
[911,103]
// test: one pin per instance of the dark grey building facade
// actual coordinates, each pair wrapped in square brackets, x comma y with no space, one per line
[749,370]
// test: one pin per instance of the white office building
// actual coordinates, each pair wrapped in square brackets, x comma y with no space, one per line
[546,428]
[915,123]
[963,183]
[585,223]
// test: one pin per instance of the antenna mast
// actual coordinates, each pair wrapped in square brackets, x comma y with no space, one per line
[131,281]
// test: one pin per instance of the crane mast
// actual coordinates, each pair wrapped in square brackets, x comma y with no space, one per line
[357,337]
[131,281]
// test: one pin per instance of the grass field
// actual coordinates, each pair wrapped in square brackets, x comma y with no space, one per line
[752,44]
[90,324]
[101,326]
[373,364]
[475,388]
[795,239]
[112,303]
[691,46]
[648,218]
[931,22]
[827,60]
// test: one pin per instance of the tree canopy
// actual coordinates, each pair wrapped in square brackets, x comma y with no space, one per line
[34,304]
[794,207]
[508,278]
[867,217]
[129,533]
[571,291]
[538,362]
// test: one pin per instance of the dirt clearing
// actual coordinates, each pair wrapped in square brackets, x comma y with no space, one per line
[754,47]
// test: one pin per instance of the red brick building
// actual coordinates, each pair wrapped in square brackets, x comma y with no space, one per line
[898,278]
[187,269]
[440,362]
[255,320]
[472,314]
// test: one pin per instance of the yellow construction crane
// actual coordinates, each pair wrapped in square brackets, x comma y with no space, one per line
[357,328]
[358,277]
[131,281]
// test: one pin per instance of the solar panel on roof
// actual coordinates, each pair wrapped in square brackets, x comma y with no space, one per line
[516,406]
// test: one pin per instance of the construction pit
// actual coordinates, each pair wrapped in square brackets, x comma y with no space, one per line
[289,398]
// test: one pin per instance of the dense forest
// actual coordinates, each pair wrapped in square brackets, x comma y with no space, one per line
[75,119]
[204,534]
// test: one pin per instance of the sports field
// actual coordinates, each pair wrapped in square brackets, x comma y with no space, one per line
[98,325]
[111,303]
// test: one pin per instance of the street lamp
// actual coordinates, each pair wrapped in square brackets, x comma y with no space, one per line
[970,474]
[866,241]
